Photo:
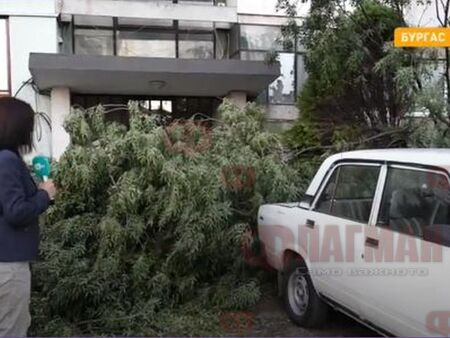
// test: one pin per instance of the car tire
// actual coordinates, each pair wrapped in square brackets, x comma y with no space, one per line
[303,305]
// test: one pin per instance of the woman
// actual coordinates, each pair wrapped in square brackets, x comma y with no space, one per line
[21,203]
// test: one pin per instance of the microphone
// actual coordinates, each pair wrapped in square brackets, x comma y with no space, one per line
[42,167]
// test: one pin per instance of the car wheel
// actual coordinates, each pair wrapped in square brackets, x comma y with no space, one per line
[303,305]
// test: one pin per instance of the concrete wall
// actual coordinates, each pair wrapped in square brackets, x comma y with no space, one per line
[148,10]
[60,107]
[282,112]
[32,28]
[267,7]
[254,19]
[44,8]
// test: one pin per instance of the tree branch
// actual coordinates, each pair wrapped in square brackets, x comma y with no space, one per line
[355,143]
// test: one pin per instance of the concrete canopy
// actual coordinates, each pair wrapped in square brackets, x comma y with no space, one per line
[88,74]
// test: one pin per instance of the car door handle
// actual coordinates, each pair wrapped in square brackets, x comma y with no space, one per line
[310,223]
[372,242]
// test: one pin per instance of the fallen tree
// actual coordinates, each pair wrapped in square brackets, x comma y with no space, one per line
[145,235]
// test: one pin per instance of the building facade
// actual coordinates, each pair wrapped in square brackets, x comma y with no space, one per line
[179,56]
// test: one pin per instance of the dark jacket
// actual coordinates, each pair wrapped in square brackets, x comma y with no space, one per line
[21,203]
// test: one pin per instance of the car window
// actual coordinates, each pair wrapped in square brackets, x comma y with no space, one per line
[349,192]
[324,202]
[416,202]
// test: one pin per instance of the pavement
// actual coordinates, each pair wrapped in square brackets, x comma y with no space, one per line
[268,319]
[272,321]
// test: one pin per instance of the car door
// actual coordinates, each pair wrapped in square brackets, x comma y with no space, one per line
[338,217]
[406,255]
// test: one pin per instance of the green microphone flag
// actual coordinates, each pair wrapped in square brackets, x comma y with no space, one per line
[42,167]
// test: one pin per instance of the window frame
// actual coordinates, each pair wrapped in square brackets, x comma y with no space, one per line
[116,28]
[241,48]
[161,38]
[294,83]
[8,91]
[295,51]
[92,29]
[384,182]
[184,35]
[330,173]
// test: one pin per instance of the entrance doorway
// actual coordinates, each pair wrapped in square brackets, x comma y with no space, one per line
[172,108]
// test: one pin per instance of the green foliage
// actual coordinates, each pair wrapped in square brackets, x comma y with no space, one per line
[358,85]
[431,128]
[352,73]
[427,133]
[303,134]
[145,235]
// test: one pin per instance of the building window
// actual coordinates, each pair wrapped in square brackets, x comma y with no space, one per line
[234,41]
[94,41]
[195,40]
[93,35]
[4,58]
[282,90]
[223,41]
[147,38]
[149,44]
[161,105]
[260,37]
[254,43]
[196,47]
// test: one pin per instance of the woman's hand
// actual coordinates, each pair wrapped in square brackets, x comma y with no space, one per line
[49,187]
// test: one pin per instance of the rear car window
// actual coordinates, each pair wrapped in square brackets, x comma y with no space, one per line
[417,202]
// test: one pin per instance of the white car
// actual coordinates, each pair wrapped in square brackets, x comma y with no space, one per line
[370,238]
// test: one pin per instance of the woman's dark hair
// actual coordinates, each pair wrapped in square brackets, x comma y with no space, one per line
[16,125]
